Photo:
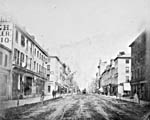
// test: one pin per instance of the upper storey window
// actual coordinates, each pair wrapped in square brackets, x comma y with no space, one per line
[16,36]
[22,41]
[127,61]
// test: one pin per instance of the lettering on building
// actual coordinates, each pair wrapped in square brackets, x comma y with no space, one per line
[6,34]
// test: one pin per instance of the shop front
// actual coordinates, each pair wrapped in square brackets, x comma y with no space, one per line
[21,84]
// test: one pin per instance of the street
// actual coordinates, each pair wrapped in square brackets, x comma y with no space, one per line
[79,107]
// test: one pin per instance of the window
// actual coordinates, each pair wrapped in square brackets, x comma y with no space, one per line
[48,67]
[37,67]
[18,56]
[6,60]
[127,78]
[3,85]
[49,89]
[34,65]
[30,63]
[1,58]
[31,48]
[21,59]
[16,36]
[15,54]
[37,54]
[26,60]
[27,45]
[127,69]
[22,41]
[35,51]
[127,61]
[40,55]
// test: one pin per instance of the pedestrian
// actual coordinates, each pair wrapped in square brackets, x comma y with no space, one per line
[136,98]
[42,96]
[18,97]
[53,93]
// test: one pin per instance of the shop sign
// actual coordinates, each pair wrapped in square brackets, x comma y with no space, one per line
[127,87]
[6,31]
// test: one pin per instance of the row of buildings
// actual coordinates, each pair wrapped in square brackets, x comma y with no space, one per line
[128,74]
[26,68]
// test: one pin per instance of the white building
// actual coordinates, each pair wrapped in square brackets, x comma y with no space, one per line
[123,73]
[55,69]
[28,60]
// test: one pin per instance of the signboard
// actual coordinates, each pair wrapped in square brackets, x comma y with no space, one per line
[6,30]
[127,87]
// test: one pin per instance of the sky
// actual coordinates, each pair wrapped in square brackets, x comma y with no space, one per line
[81,32]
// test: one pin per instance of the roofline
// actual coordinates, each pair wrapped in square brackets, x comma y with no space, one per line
[31,38]
[56,57]
[121,58]
[139,34]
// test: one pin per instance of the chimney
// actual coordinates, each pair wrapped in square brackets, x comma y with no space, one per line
[121,53]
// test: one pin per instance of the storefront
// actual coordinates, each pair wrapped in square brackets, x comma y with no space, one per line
[21,83]
[142,89]
[39,85]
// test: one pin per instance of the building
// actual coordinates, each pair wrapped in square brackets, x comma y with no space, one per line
[29,64]
[5,72]
[67,77]
[5,58]
[56,71]
[107,80]
[140,54]
[28,61]
[115,80]
[49,84]
[123,73]
[101,68]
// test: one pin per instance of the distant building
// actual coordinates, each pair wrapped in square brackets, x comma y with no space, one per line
[59,75]
[122,75]
[107,80]
[101,68]
[116,77]
[140,54]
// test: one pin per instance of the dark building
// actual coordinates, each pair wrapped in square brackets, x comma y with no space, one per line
[140,66]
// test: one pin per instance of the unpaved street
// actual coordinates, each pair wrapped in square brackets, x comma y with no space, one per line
[83,107]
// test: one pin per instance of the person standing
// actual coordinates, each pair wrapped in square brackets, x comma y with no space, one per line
[42,96]
[136,98]
[53,93]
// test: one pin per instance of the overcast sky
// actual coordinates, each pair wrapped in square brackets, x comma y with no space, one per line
[81,32]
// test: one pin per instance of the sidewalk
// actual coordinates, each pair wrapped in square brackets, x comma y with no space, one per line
[13,103]
[131,100]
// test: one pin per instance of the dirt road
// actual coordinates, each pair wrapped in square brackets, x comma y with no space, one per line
[79,107]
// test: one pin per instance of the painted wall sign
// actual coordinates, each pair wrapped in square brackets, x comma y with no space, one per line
[6,31]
